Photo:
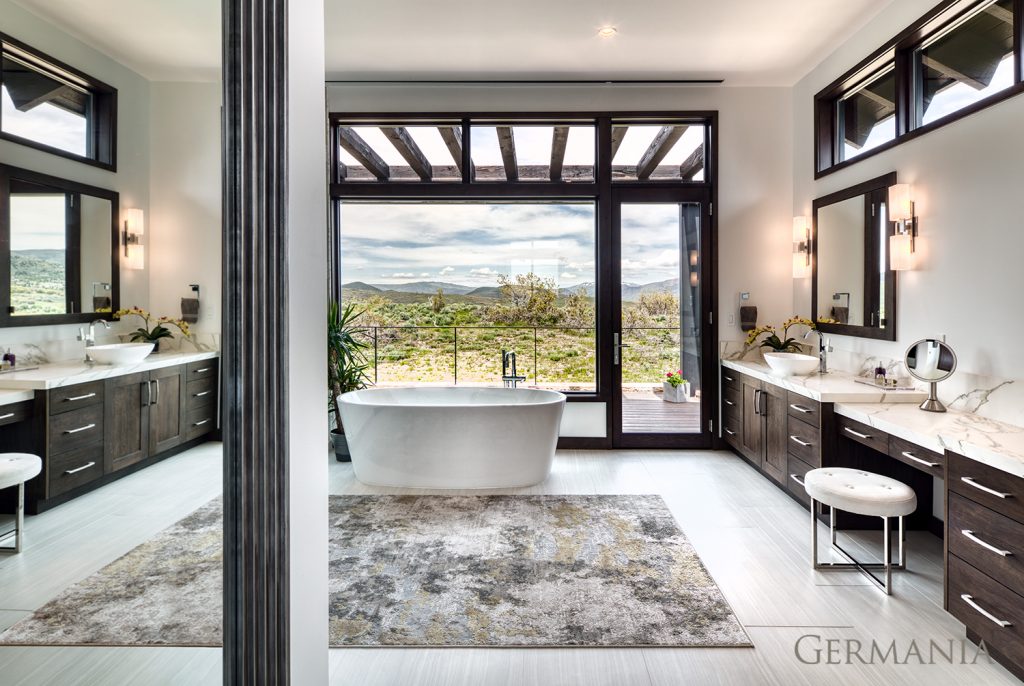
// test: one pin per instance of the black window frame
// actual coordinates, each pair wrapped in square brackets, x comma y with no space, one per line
[101,120]
[900,51]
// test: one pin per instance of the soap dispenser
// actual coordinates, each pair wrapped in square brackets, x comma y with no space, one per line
[9,358]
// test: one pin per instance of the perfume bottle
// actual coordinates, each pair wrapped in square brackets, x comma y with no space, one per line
[9,359]
[880,375]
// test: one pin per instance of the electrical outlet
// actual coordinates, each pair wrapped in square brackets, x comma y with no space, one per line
[732,319]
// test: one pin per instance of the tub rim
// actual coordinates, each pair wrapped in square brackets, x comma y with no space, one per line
[556,397]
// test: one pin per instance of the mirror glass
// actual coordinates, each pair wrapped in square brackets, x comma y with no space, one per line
[854,290]
[930,360]
[60,257]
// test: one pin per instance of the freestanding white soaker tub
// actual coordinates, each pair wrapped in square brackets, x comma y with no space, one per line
[452,437]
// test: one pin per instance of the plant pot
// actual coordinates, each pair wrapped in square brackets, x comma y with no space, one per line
[675,394]
[341,452]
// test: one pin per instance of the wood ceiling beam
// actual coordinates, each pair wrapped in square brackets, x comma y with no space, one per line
[452,137]
[618,133]
[410,152]
[559,138]
[692,164]
[507,143]
[354,145]
[657,150]
[1000,13]
[949,72]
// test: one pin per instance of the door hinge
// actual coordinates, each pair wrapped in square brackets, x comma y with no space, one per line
[711,426]
[711,209]
[711,317]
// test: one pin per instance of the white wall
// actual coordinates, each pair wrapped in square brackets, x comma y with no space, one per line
[133,160]
[967,179]
[184,222]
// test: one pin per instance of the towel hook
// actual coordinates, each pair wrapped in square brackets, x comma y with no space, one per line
[195,289]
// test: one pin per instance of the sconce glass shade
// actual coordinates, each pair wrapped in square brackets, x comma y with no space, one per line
[134,228]
[901,204]
[801,228]
[801,247]
[901,252]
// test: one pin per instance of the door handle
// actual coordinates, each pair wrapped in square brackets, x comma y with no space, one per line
[617,349]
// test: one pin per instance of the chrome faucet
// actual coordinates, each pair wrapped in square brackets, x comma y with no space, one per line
[824,348]
[508,369]
[90,338]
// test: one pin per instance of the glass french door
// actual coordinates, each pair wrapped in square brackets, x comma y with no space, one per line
[661,299]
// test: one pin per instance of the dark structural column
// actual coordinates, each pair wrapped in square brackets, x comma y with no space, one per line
[255,343]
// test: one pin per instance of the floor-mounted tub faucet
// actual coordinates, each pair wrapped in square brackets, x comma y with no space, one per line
[508,369]
[90,338]
[824,348]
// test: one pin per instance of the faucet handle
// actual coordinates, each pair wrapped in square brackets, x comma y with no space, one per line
[81,333]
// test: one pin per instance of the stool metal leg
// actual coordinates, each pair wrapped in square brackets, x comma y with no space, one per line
[863,567]
[19,524]
[887,556]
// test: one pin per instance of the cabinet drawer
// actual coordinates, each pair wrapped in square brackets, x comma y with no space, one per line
[989,486]
[200,421]
[916,456]
[731,399]
[15,412]
[804,409]
[730,378]
[804,441]
[201,393]
[987,540]
[74,397]
[863,434]
[74,468]
[795,467]
[731,430]
[201,369]
[988,596]
[72,430]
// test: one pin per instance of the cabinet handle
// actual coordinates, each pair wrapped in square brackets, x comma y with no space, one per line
[796,478]
[72,399]
[79,429]
[205,421]
[729,403]
[987,546]
[858,434]
[911,456]
[730,432]
[6,416]
[149,393]
[757,402]
[971,482]
[79,469]
[969,599]
[801,409]
[201,371]
[155,397]
[201,394]
[729,378]
[799,442]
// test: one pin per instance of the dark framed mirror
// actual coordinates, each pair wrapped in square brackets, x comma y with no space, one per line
[59,257]
[853,290]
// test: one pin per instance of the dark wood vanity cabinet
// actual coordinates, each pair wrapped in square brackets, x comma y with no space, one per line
[754,422]
[167,408]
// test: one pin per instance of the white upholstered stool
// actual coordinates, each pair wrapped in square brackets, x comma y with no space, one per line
[15,470]
[863,493]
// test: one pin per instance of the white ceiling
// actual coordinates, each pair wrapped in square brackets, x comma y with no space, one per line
[743,41]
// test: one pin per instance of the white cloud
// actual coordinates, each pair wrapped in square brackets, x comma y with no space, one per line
[567,275]
[446,271]
[401,275]
[484,271]
[424,275]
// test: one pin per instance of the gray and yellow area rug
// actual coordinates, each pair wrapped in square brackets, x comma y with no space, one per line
[488,571]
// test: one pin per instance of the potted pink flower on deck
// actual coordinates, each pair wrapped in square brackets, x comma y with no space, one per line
[676,388]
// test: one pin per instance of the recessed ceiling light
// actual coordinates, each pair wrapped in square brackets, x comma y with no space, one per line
[607,31]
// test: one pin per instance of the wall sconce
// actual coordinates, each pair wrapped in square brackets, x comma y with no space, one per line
[801,247]
[134,228]
[901,243]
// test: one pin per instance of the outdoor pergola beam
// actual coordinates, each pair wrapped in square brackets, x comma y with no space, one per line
[876,98]
[559,138]
[692,164]
[354,145]
[407,148]
[657,150]
[452,137]
[507,143]
[618,133]
[342,171]
[1000,13]
[949,72]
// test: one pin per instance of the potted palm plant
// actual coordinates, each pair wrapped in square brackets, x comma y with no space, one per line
[346,367]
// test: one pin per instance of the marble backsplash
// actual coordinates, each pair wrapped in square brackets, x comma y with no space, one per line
[45,352]
[993,398]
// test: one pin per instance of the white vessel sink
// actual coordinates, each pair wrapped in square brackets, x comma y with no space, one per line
[119,353]
[791,364]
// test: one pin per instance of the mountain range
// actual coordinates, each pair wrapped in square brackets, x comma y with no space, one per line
[630,291]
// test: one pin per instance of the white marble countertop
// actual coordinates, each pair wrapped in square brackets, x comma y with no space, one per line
[72,372]
[834,387]
[996,444]
[11,397]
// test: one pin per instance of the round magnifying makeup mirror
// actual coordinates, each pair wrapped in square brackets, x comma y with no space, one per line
[931,361]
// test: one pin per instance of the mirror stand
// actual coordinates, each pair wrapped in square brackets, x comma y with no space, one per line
[933,404]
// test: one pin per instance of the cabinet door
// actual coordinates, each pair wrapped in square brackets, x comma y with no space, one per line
[775,407]
[126,421]
[753,421]
[167,410]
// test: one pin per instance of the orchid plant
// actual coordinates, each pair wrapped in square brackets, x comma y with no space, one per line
[151,333]
[783,343]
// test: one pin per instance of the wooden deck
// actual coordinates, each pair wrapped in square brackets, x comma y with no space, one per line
[648,413]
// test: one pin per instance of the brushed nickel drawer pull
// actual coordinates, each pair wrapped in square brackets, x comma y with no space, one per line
[205,421]
[6,416]
[729,378]
[730,432]
[796,440]
[969,599]
[858,434]
[911,456]
[72,399]
[200,371]
[79,429]
[79,469]
[729,403]
[802,409]
[200,395]
[971,482]
[796,478]
[988,546]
